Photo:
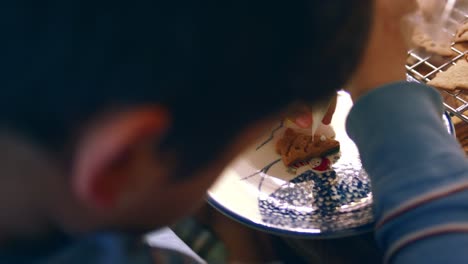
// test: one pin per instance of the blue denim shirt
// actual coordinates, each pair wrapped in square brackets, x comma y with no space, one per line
[103,248]
[94,249]
[419,174]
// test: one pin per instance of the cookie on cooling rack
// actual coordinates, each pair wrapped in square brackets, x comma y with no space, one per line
[454,78]
[422,40]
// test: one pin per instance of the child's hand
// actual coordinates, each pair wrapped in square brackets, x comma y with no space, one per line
[303,117]
[384,59]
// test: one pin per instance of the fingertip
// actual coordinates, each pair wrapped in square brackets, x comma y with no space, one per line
[327,120]
[304,121]
[331,110]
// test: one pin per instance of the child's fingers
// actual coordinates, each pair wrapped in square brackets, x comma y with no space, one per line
[304,120]
[331,110]
[302,116]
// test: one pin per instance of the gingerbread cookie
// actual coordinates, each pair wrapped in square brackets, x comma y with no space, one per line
[422,40]
[455,78]
[295,147]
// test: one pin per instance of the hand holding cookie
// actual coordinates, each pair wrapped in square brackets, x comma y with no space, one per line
[302,117]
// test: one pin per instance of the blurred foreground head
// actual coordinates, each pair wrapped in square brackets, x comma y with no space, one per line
[121,111]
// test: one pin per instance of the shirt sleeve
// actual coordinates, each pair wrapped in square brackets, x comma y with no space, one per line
[418,171]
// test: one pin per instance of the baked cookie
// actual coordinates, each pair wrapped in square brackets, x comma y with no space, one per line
[295,147]
[454,78]
[422,40]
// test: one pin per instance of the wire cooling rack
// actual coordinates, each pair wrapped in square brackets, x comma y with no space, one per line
[423,67]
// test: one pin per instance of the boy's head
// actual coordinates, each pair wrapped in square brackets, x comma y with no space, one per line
[140,104]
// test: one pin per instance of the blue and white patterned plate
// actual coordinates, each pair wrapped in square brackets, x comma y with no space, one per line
[322,198]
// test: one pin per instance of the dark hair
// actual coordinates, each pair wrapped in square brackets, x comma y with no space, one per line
[238,61]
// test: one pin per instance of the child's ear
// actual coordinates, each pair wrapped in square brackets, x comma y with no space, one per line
[116,156]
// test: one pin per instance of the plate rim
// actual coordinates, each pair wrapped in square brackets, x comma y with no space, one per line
[288,233]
